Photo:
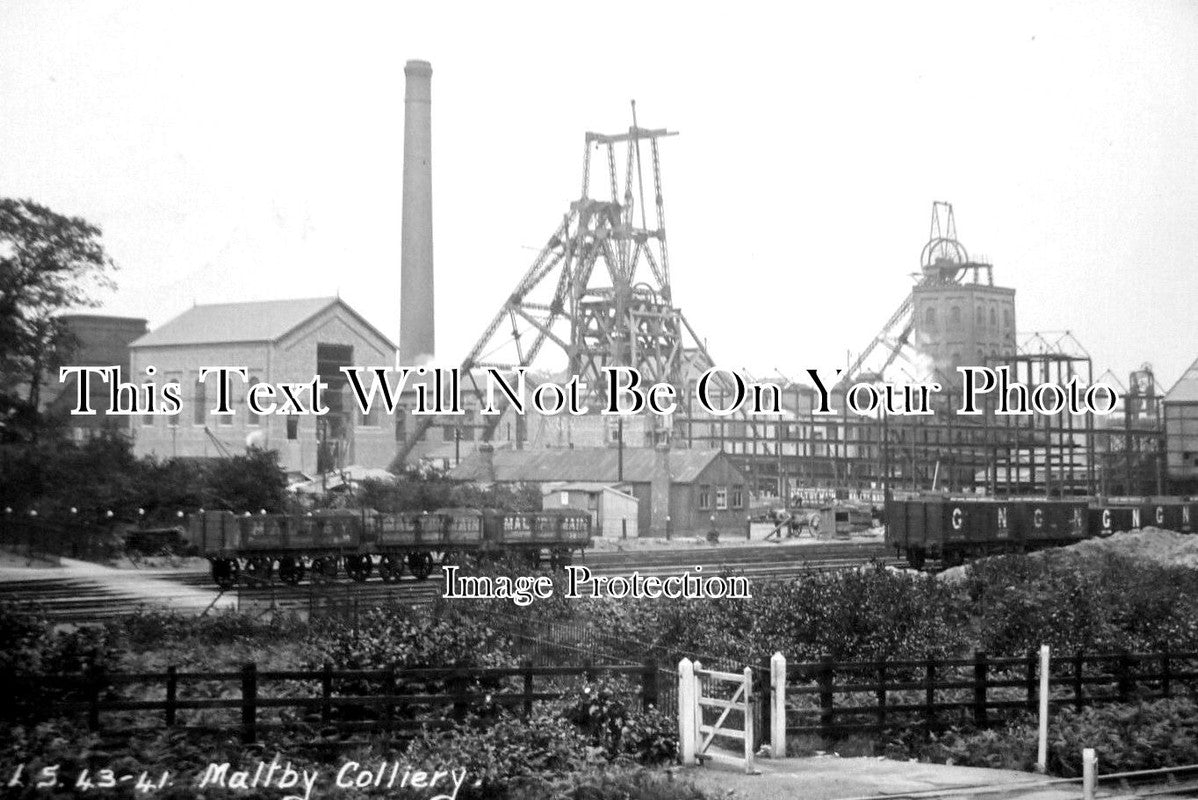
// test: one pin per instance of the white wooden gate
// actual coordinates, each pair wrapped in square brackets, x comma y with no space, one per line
[695,694]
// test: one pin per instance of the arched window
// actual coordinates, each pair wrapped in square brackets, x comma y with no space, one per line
[980,317]
[993,318]
[954,315]
[929,317]
[1006,317]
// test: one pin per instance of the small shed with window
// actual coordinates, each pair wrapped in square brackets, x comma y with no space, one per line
[613,511]
[709,492]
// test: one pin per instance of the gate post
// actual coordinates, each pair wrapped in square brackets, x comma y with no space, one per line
[778,705]
[1089,772]
[697,706]
[750,703]
[1042,749]
[686,711]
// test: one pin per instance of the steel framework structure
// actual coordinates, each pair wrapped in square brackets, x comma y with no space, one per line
[1000,455]
[599,291]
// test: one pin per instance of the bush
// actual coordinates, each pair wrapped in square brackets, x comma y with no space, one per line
[512,758]
[608,713]
[397,636]
[36,658]
[1150,735]
[1126,737]
[859,615]
[148,627]
[1010,747]
[1073,601]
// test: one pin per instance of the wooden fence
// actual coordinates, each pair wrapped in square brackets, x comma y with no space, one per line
[392,701]
[831,699]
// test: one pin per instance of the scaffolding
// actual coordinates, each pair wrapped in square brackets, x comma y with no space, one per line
[991,453]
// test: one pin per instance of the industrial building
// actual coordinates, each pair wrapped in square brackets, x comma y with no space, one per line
[98,340]
[690,490]
[277,341]
[1181,431]
[600,294]
[614,513]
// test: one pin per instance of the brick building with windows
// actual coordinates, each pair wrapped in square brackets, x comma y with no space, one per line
[686,491]
[98,340]
[277,341]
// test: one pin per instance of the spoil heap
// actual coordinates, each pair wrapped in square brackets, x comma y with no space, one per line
[1151,544]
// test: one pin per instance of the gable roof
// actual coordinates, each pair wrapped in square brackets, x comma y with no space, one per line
[581,464]
[260,321]
[1186,388]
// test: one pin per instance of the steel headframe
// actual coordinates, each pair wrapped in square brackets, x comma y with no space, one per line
[942,260]
[599,290]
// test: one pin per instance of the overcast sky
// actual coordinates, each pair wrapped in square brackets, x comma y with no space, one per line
[250,151]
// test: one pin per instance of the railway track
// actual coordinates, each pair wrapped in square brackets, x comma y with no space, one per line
[99,594]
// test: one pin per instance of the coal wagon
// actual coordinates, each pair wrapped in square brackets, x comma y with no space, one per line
[361,543]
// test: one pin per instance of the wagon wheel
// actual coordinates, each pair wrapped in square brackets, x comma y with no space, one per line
[916,557]
[225,571]
[260,569]
[325,566]
[291,570]
[358,567]
[421,565]
[390,568]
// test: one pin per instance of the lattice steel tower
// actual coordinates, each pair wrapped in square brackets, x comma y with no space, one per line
[599,290]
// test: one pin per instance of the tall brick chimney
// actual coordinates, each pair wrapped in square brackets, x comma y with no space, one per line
[416,326]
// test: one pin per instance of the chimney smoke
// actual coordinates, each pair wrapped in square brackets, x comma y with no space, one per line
[416,332]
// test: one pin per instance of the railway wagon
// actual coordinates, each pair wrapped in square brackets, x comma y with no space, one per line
[265,546]
[954,529]
[1132,514]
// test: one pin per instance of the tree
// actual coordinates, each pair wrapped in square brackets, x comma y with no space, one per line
[247,483]
[48,263]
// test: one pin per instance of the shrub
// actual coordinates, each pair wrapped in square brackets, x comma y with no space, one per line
[1073,601]
[1129,736]
[148,627]
[512,758]
[858,615]
[395,636]
[37,658]
[608,713]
